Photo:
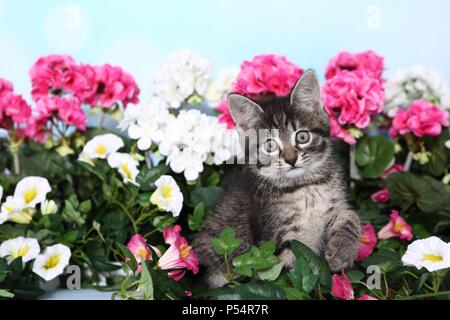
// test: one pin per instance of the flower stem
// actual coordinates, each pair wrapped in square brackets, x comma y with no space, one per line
[102,120]
[408,161]
[16,162]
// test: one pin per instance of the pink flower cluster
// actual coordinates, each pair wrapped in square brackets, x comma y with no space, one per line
[368,61]
[102,86]
[178,258]
[421,118]
[14,110]
[265,74]
[353,92]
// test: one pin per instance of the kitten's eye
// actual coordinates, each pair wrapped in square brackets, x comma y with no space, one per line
[302,137]
[271,147]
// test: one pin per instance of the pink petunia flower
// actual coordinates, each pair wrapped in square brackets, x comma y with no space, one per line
[179,257]
[366,297]
[397,227]
[395,168]
[366,60]
[171,234]
[381,196]
[421,118]
[139,248]
[367,242]
[341,287]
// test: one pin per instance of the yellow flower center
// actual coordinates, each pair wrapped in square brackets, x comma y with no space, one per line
[20,252]
[101,149]
[166,192]
[30,195]
[432,258]
[126,170]
[398,227]
[184,251]
[141,253]
[364,239]
[52,262]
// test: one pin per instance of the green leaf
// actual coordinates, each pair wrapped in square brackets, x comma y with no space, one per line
[318,266]
[6,294]
[254,291]
[85,207]
[374,155]
[162,222]
[100,263]
[226,243]
[355,275]
[147,177]
[195,220]
[70,237]
[272,273]
[295,294]
[207,195]
[258,259]
[387,259]
[132,263]
[146,283]
[71,215]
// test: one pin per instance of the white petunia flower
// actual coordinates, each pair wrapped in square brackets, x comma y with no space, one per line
[167,196]
[52,262]
[431,253]
[32,190]
[14,210]
[27,248]
[187,162]
[447,144]
[126,165]
[415,83]
[100,147]
[222,85]
[48,207]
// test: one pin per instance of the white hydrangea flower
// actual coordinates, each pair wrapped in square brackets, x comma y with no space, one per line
[431,253]
[52,262]
[167,196]
[27,248]
[412,84]
[221,85]
[126,165]
[100,147]
[184,74]
[187,162]
[146,123]
[32,190]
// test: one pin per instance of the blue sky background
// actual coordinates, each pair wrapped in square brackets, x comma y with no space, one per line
[138,34]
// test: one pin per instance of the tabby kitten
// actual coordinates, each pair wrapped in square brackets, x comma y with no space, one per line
[298,194]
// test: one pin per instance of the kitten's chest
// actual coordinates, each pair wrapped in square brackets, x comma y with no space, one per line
[300,215]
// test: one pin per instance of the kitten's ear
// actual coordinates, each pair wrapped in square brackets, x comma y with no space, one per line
[306,92]
[244,111]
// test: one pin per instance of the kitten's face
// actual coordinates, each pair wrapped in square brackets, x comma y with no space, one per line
[296,145]
[296,141]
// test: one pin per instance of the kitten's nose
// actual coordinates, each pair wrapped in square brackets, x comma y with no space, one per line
[291,160]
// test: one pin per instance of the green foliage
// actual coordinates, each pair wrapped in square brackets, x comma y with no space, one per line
[226,243]
[374,155]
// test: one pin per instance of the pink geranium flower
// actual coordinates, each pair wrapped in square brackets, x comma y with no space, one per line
[5,86]
[366,60]
[179,257]
[421,118]
[264,75]
[13,110]
[354,97]
[267,74]
[395,168]
[381,196]
[106,85]
[224,114]
[67,109]
[342,288]
[367,242]
[54,74]
[397,227]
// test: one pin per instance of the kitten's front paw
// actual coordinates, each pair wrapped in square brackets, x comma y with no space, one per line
[288,258]
[341,250]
